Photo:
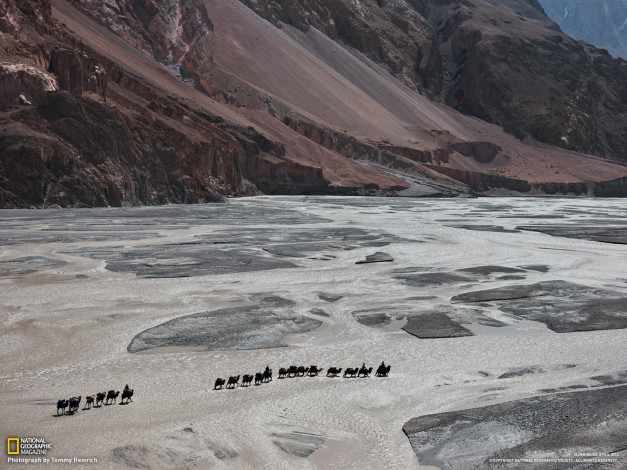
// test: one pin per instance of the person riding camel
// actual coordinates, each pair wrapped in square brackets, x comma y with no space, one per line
[126,388]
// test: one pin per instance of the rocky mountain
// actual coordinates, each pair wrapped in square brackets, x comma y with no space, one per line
[120,102]
[602,23]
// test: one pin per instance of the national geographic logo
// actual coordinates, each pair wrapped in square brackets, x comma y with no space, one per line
[27,446]
[13,445]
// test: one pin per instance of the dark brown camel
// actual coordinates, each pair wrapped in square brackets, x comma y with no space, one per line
[127,395]
[333,371]
[247,379]
[100,397]
[233,380]
[351,372]
[62,405]
[365,372]
[267,375]
[74,404]
[112,395]
[258,378]
[292,371]
[89,401]
[219,383]
[302,370]
[282,372]
[383,371]
[314,370]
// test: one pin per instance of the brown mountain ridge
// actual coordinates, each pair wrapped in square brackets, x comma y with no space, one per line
[119,102]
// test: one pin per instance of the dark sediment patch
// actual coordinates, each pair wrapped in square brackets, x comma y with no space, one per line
[564,307]
[253,327]
[373,319]
[378,257]
[511,277]
[568,388]
[301,242]
[184,260]
[444,322]
[62,236]
[518,372]
[432,279]
[27,265]
[485,228]
[319,312]
[510,292]
[15,270]
[36,261]
[329,297]
[541,268]
[557,426]
[135,223]
[298,443]
[222,453]
[435,325]
[604,234]
[413,269]
[487,270]
[615,379]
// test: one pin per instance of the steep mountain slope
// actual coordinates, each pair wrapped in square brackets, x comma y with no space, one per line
[120,102]
[500,60]
[602,23]
[332,93]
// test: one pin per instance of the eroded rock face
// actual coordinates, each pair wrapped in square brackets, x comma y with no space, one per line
[24,84]
[73,150]
[77,72]
[163,29]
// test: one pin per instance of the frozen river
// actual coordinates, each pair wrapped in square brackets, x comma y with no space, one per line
[514,306]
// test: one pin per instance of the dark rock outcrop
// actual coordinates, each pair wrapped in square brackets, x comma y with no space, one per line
[72,150]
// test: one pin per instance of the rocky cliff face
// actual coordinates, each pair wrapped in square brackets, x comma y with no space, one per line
[602,23]
[117,102]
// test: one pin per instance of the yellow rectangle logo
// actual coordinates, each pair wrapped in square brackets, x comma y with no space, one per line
[15,440]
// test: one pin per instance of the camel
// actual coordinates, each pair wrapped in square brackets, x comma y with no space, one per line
[302,370]
[112,395]
[292,371]
[351,372]
[282,372]
[233,380]
[383,371]
[219,383]
[258,378]
[267,375]
[89,401]
[333,371]
[61,405]
[74,404]
[100,397]
[247,379]
[127,394]
[365,372]
[313,370]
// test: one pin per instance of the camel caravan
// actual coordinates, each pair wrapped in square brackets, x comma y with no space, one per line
[107,398]
[298,371]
